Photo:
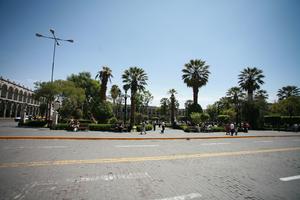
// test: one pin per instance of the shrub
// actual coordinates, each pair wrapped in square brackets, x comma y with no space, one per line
[60,126]
[113,120]
[194,108]
[148,128]
[103,111]
[101,127]
[223,119]
[217,129]
[34,123]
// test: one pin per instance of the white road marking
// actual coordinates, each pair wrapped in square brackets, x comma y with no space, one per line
[111,176]
[290,178]
[25,190]
[37,147]
[136,146]
[183,197]
[216,143]
[264,141]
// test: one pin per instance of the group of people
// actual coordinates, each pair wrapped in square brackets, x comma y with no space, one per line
[162,125]
[231,129]
[74,125]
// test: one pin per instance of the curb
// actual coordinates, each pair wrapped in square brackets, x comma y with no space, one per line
[153,138]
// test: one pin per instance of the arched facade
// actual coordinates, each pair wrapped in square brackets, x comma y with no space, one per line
[14,99]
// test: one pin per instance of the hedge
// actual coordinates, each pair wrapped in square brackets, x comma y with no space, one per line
[148,128]
[101,127]
[33,123]
[60,126]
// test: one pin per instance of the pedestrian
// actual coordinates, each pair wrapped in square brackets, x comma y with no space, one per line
[232,130]
[143,128]
[162,127]
[154,125]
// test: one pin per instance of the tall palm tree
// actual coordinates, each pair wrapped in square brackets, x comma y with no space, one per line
[195,75]
[261,95]
[164,106]
[104,76]
[250,80]
[126,88]
[172,92]
[136,78]
[235,94]
[115,92]
[288,91]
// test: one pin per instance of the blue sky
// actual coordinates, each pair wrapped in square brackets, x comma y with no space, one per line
[159,36]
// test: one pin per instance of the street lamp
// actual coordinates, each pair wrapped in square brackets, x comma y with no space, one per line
[126,88]
[55,39]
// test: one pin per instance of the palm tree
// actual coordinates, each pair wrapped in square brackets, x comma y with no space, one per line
[164,106]
[195,75]
[136,78]
[250,80]
[172,92]
[288,91]
[115,92]
[104,75]
[235,94]
[126,88]
[261,95]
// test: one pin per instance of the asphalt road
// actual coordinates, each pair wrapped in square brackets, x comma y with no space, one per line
[169,170]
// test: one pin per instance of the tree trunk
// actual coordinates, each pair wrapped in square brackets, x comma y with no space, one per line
[132,108]
[250,95]
[103,90]
[172,110]
[195,94]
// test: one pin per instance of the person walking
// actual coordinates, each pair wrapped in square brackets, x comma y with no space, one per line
[143,128]
[162,127]
[232,130]
[154,125]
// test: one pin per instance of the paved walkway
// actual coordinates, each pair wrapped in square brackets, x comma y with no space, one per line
[10,129]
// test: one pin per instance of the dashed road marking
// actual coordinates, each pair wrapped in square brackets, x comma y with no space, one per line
[183,197]
[216,143]
[264,141]
[143,159]
[111,177]
[136,146]
[290,178]
[35,147]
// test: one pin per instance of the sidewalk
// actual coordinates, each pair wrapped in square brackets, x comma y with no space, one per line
[44,133]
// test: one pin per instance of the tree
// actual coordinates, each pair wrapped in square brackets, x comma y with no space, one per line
[195,75]
[250,80]
[115,92]
[164,106]
[288,91]
[147,98]
[136,78]
[172,92]
[235,94]
[261,95]
[92,89]
[104,76]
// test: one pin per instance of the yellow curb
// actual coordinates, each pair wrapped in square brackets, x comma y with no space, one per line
[136,138]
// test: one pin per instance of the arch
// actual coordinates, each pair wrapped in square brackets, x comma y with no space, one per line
[21,95]
[4,91]
[16,92]
[25,97]
[10,93]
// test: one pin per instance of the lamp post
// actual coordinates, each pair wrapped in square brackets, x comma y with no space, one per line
[55,39]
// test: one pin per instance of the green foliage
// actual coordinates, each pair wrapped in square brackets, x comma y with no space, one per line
[195,118]
[290,120]
[33,123]
[103,111]
[148,127]
[113,120]
[194,108]
[60,126]
[231,113]
[251,114]
[204,117]
[101,127]
[223,119]
[217,129]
